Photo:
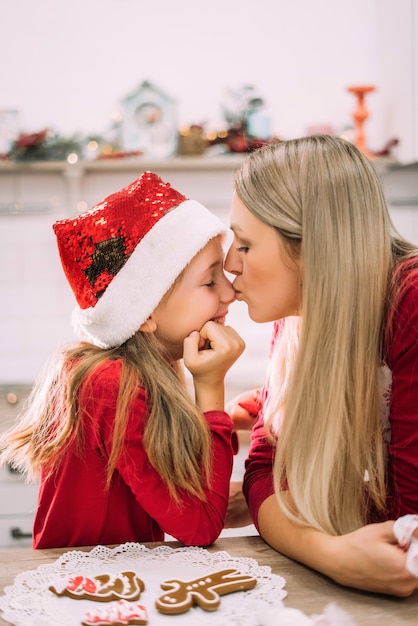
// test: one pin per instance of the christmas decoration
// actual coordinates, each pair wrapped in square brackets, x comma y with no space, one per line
[248,126]
[44,145]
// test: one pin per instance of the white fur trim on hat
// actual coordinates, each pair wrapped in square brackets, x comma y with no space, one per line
[137,289]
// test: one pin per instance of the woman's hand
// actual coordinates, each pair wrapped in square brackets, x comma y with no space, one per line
[371,559]
[208,355]
[368,558]
[244,409]
[237,514]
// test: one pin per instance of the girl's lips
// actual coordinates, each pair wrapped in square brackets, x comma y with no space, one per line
[220,319]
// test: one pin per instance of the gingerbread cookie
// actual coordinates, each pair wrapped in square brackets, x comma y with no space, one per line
[204,591]
[102,588]
[121,613]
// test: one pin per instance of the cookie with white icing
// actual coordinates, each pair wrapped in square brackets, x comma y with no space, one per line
[120,613]
[204,591]
[102,588]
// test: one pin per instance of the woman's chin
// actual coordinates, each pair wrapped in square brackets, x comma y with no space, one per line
[252,314]
[257,316]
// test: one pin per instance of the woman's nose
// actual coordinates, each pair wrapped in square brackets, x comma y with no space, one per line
[230,264]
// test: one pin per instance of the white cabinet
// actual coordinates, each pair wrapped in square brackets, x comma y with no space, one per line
[17,498]
[62,189]
[400,184]
[17,509]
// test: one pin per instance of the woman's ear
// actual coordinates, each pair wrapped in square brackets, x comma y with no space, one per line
[149,326]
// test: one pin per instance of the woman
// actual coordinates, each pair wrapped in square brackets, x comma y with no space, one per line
[314,249]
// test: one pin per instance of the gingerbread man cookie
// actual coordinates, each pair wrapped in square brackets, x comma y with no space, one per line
[102,588]
[121,613]
[204,591]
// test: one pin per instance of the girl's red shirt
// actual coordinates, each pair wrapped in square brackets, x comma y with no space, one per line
[75,508]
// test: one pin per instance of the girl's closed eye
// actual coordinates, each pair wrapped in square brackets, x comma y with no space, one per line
[215,276]
[243,248]
[211,279]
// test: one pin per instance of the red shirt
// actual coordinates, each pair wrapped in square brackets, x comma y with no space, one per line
[402,359]
[76,509]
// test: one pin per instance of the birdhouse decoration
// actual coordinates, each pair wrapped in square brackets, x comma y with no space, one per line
[149,122]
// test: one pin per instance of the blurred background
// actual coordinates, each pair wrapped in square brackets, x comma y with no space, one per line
[67,66]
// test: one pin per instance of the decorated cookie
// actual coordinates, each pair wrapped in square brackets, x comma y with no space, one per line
[204,591]
[121,613]
[102,588]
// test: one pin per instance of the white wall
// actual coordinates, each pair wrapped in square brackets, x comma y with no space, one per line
[397,49]
[67,65]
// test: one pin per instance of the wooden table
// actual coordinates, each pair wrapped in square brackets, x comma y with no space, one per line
[307,590]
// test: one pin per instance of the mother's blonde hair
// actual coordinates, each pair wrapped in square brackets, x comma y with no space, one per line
[325,200]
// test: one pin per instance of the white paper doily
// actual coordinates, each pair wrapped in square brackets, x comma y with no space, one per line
[29,602]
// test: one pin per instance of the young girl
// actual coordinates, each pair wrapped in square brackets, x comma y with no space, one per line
[123,452]
[314,248]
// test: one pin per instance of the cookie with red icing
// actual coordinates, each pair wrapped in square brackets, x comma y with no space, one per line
[204,591]
[102,588]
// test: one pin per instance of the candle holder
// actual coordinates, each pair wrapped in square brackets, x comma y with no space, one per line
[360,115]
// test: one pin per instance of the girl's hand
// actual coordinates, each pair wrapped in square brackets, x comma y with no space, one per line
[244,409]
[208,355]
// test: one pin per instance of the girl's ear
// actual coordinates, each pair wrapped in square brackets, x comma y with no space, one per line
[149,326]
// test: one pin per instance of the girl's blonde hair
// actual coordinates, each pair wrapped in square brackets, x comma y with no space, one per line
[325,201]
[176,435]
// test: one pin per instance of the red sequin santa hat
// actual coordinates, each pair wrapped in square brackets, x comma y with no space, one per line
[123,255]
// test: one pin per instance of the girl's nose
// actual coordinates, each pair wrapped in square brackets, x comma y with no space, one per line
[228,292]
